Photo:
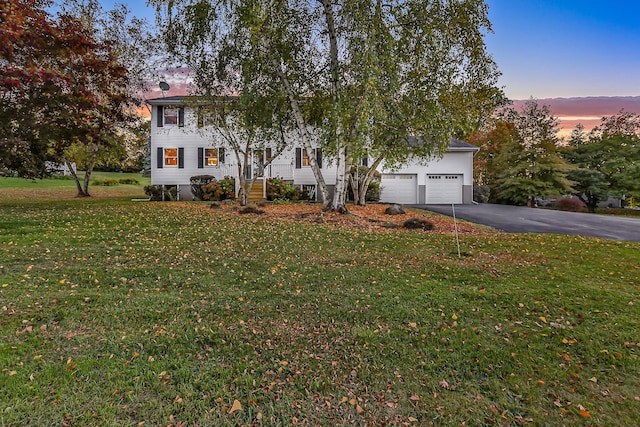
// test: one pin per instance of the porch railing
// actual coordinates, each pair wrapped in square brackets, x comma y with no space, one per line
[279,170]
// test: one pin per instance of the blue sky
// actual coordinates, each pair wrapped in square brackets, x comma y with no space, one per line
[566,48]
[554,48]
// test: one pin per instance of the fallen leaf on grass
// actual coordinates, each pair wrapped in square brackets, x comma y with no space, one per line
[584,412]
[237,406]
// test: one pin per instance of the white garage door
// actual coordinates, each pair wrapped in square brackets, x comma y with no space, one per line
[444,189]
[399,188]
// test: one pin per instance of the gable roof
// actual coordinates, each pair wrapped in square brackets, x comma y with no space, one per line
[167,100]
[454,144]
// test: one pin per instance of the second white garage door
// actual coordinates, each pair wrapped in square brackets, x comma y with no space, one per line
[399,188]
[444,189]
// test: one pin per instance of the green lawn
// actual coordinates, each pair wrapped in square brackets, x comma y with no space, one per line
[115,312]
[26,191]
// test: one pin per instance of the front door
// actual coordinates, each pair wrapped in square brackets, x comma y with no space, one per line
[256,167]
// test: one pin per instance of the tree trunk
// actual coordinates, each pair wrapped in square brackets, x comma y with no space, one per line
[367,180]
[591,202]
[82,188]
[354,177]
[302,129]
[243,195]
[338,203]
[340,190]
[87,178]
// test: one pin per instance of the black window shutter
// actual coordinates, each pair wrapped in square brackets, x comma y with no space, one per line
[200,157]
[298,158]
[160,110]
[160,160]
[181,158]
[200,117]
[181,116]
[365,161]
[221,155]
[319,157]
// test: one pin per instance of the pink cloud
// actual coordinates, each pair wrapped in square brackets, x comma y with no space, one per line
[588,110]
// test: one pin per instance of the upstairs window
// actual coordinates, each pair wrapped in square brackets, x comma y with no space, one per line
[170,116]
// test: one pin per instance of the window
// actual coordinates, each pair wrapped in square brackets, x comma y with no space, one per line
[302,159]
[171,157]
[170,116]
[305,158]
[211,157]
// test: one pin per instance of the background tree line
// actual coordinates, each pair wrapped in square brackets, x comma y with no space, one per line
[521,158]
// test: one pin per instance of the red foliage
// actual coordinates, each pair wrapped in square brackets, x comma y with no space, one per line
[59,81]
[570,204]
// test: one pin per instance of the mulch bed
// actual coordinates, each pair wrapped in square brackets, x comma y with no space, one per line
[370,217]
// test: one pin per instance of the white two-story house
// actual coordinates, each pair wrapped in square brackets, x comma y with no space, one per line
[180,149]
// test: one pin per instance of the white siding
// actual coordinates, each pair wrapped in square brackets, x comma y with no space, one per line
[410,187]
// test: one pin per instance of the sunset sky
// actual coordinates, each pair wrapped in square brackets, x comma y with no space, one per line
[558,49]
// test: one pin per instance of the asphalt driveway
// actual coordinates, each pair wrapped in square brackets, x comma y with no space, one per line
[515,219]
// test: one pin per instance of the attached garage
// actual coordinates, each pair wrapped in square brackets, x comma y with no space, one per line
[399,188]
[444,189]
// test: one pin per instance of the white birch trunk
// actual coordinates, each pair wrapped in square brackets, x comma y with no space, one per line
[304,135]
[362,201]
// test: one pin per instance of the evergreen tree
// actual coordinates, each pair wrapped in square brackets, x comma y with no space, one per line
[530,165]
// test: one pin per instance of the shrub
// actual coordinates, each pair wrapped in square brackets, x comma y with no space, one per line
[279,189]
[196,185]
[128,181]
[106,182]
[570,204]
[155,192]
[373,192]
[224,189]
[481,193]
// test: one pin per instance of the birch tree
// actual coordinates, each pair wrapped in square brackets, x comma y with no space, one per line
[247,131]
[368,75]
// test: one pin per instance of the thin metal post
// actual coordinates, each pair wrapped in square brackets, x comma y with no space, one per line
[455,227]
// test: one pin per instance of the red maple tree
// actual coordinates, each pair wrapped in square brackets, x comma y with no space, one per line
[60,85]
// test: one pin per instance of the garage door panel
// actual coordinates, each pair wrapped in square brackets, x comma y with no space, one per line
[399,188]
[444,189]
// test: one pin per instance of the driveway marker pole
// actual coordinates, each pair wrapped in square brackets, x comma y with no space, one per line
[455,228]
